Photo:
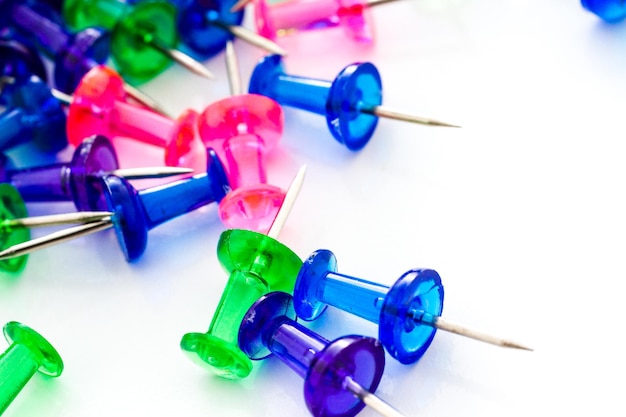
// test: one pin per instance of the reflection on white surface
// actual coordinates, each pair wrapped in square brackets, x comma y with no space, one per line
[521,211]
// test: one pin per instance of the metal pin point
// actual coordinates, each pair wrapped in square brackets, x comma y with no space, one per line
[462,330]
[371,400]
[232,69]
[252,38]
[285,208]
[56,219]
[54,238]
[150,172]
[381,111]
[142,98]
[183,59]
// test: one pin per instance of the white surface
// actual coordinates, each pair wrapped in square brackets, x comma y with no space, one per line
[522,212]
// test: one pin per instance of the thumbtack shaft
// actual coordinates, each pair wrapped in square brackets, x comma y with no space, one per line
[381,111]
[150,172]
[371,400]
[183,59]
[288,202]
[462,330]
[54,238]
[56,219]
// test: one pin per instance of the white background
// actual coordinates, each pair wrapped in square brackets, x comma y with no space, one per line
[522,212]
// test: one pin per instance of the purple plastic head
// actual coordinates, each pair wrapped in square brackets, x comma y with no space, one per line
[19,60]
[92,158]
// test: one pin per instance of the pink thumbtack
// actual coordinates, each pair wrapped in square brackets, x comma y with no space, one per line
[99,106]
[242,129]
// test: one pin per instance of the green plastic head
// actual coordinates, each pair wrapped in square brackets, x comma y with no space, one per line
[28,353]
[50,362]
[82,14]
[258,265]
[12,207]
[135,38]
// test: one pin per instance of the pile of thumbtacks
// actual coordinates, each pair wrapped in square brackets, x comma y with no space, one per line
[56,91]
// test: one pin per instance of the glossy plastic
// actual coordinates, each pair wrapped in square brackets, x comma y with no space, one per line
[100,108]
[28,353]
[136,212]
[32,115]
[257,265]
[608,10]
[12,207]
[404,313]
[71,181]
[268,327]
[356,87]
[291,16]
[134,28]
[20,60]
[197,25]
[243,129]
[73,53]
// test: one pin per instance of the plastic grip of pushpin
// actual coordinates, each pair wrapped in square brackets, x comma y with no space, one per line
[197,27]
[12,207]
[19,60]
[608,10]
[301,15]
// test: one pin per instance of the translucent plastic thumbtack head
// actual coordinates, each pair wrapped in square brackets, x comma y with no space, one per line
[144,35]
[100,107]
[206,26]
[351,102]
[340,376]
[408,313]
[32,115]
[257,265]
[243,128]
[74,180]
[608,10]
[28,353]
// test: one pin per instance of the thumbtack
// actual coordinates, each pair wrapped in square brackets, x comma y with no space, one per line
[19,62]
[408,314]
[257,264]
[28,353]
[143,35]
[15,224]
[32,114]
[99,106]
[73,54]
[74,180]
[611,11]
[339,376]
[351,103]
[206,26]
[243,128]
[134,212]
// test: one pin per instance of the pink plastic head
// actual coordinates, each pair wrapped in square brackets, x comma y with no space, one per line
[93,100]
[242,129]
[185,149]
[290,16]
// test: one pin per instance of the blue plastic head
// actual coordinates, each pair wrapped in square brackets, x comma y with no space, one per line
[357,86]
[19,60]
[308,304]
[608,10]
[199,24]
[416,293]
[85,49]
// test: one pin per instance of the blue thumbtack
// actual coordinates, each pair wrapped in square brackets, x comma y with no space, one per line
[611,11]
[18,62]
[408,314]
[74,180]
[351,103]
[136,212]
[33,114]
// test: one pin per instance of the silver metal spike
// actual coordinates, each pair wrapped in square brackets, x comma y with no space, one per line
[54,238]
[183,59]
[252,38]
[56,219]
[232,68]
[285,208]
[150,172]
[146,100]
[61,96]
[381,111]
[370,399]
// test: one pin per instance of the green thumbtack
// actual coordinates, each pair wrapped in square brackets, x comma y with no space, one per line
[257,264]
[15,228]
[29,352]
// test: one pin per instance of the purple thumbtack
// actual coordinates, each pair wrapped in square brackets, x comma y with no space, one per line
[339,375]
